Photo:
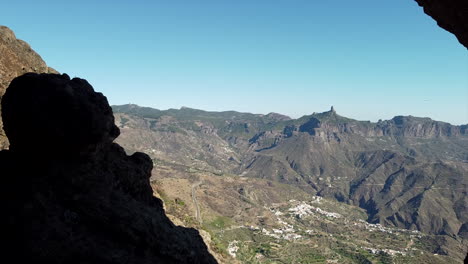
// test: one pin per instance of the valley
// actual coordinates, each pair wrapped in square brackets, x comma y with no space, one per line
[260,221]
[399,186]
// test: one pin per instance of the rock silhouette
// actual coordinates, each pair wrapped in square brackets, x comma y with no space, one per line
[451,15]
[71,195]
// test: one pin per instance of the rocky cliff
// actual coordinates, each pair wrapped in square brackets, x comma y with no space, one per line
[71,195]
[17,58]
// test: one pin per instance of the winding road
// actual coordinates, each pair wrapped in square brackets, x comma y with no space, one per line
[195,202]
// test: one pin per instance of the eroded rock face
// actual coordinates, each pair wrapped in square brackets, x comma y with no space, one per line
[451,15]
[73,196]
[16,58]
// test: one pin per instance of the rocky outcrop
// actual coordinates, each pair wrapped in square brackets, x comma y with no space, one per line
[71,195]
[323,126]
[409,126]
[16,58]
[451,15]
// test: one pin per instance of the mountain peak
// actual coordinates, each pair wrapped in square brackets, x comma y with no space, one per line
[7,34]
[278,117]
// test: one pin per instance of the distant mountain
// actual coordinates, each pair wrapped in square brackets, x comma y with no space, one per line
[17,57]
[406,172]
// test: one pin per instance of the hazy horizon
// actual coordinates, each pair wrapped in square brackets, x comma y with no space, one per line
[370,60]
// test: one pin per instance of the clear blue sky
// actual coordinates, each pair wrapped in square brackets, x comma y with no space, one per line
[370,59]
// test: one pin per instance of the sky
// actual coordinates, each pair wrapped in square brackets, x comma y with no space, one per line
[369,59]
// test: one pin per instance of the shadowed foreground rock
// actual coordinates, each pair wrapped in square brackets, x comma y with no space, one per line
[70,195]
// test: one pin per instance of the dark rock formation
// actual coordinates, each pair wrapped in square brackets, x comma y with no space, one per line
[16,58]
[70,195]
[451,15]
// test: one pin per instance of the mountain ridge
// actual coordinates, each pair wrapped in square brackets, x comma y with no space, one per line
[141,110]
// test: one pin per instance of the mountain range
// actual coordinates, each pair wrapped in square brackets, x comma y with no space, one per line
[407,172]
